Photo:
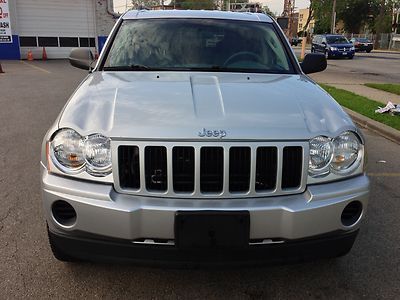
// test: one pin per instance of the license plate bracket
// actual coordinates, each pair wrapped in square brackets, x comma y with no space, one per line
[212,229]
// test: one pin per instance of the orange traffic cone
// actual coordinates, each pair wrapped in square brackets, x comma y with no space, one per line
[44,54]
[30,55]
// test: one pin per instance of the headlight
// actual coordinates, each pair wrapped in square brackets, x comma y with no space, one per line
[347,148]
[321,151]
[72,153]
[330,158]
[66,151]
[97,153]
[334,49]
[353,48]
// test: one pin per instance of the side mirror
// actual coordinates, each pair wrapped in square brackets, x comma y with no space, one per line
[313,63]
[81,58]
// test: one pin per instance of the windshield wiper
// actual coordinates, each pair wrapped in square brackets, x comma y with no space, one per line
[217,68]
[129,68]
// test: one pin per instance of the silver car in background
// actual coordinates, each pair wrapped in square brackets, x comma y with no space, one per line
[198,138]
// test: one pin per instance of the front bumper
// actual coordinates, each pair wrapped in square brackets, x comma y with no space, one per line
[364,48]
[341,53]
[111,250]
[104,213]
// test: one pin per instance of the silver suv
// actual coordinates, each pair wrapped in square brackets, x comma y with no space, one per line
[198,138]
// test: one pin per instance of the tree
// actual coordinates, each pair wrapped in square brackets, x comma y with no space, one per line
[139,4]
[310,17]
[196,4]
[354,14]
[322,12]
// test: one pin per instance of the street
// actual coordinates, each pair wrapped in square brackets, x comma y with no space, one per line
[32,95]
[364,67]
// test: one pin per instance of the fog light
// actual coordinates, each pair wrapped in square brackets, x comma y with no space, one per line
[63,213]
[351,213]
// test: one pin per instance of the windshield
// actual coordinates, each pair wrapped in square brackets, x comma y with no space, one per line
[337,40]
[197,45]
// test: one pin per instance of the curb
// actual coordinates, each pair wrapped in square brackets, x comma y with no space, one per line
[386,51]
[382,129]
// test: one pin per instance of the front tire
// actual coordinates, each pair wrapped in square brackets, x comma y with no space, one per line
[57,252]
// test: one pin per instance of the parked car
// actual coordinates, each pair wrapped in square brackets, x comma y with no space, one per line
[198,137]
[295,41]
[362,44]
[333,45]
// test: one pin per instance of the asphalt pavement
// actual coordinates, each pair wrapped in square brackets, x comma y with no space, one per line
[377,67]
[32,95]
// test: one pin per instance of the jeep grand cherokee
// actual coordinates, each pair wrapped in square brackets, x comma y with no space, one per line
[197,137]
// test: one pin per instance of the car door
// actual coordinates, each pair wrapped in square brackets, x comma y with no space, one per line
[314,43]
[323,44]
[317,43]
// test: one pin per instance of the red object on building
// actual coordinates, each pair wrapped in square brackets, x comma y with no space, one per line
[44,54]
[30,55]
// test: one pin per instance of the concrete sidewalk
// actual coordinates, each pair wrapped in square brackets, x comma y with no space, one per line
[374,94]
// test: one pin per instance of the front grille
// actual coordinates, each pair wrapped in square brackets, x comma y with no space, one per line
[128,167]
[266,168]
[156,168]
[228,170]
[183,169]
[239,169]
[292,167]
[211,169]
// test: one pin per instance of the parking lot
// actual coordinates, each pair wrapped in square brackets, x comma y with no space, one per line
[31,96]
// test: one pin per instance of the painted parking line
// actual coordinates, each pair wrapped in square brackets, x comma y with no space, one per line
[35,67]
[384,174]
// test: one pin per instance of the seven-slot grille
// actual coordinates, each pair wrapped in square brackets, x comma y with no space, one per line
[199,170]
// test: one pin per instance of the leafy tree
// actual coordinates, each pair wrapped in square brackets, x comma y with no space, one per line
[196,4]
[139,4]
[355,14]
[322,11]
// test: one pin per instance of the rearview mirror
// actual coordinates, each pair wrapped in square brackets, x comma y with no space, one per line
[313,63]
[81,58]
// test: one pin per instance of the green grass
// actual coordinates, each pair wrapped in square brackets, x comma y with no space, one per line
[387,87]
[362,105]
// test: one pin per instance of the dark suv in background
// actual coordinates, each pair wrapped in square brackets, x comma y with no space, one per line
[362,44]
[333,45]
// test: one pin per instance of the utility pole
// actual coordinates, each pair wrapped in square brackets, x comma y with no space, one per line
[333,25]
[228,5]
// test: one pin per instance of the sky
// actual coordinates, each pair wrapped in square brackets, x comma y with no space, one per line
[275,6]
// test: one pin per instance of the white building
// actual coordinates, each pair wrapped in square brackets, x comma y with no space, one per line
[57,25]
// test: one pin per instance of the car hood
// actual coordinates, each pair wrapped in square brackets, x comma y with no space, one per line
[179,105]
[341,45]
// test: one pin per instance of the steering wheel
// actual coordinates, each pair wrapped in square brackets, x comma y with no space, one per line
[242,53]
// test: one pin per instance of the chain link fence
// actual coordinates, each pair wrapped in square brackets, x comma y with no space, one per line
[384,41]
